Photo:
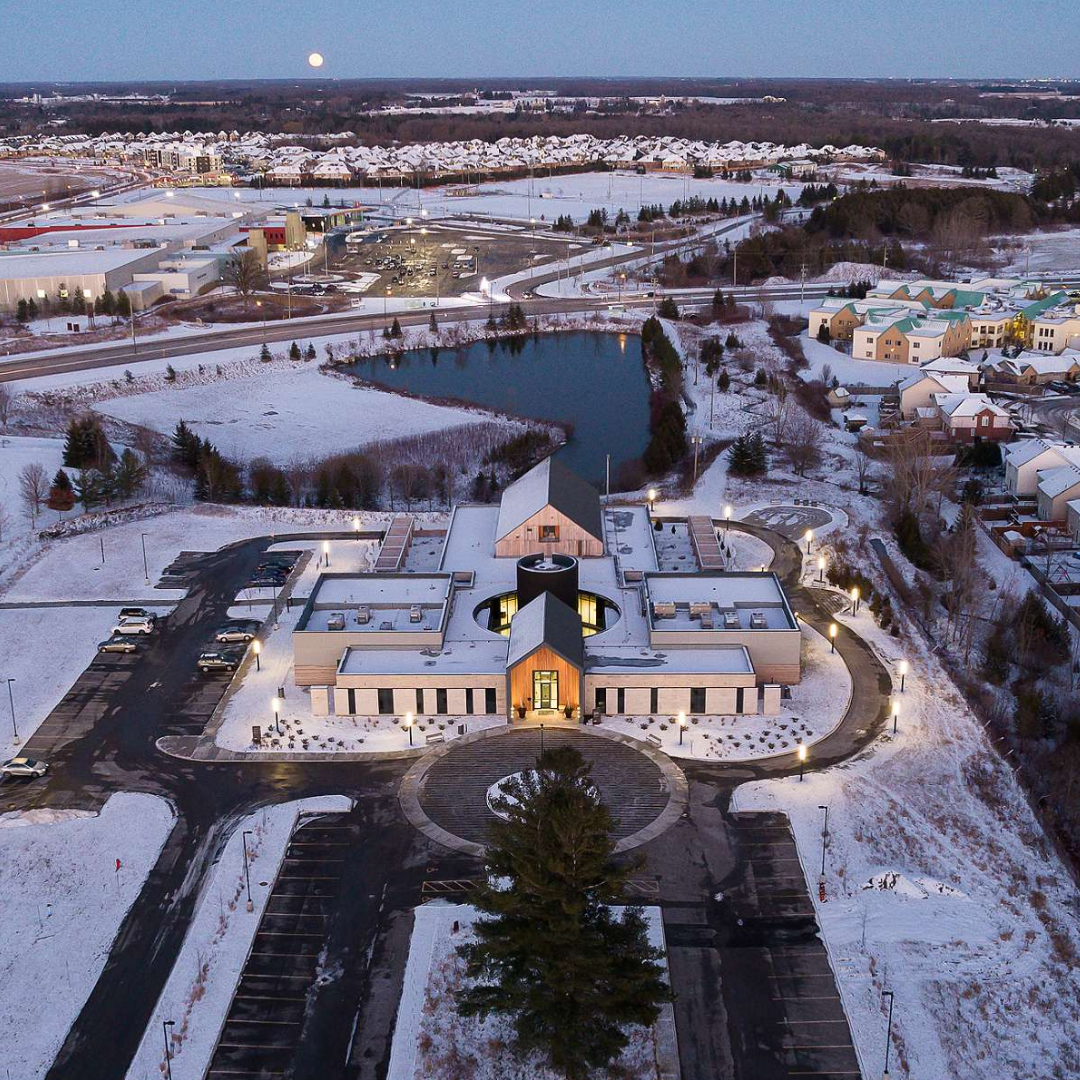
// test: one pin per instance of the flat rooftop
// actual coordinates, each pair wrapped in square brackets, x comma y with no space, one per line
[389,600]
[745,594]
[57,263]
[476,657]
[718,659]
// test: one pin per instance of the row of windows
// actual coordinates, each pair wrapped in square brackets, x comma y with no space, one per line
[697,699]
[386,701]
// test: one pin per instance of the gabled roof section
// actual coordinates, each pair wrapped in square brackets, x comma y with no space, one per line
[550,484]
[546,621]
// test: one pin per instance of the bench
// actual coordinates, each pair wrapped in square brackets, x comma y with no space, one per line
[654,740]
[435,737]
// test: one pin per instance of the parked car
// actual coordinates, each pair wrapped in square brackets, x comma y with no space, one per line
[239,631]
[220,659]
[120,643]
[134,626]
[24,766]
[136,613]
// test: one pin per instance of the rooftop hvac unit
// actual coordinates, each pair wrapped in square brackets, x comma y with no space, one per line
[757,620]
[664,609]
[706,620]
[415,614]
[731,620]
[700,608]
[363,615]
[336,621]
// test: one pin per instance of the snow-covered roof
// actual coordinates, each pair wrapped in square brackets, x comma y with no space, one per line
[546,621]
[550,484]
[1055,482]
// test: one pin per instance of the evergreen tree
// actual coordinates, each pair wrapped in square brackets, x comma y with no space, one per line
[294,352]
[185,446]
[61,493]
[130,474]
[123,305]
[395,328]
[32,308]
[433,324]
[170,373]
[718,303]
[551,955]
[264,354]
[22,311]
[668,309]
[723,381]
[309,352]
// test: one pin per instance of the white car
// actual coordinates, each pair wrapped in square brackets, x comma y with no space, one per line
[134,626]
[23,766]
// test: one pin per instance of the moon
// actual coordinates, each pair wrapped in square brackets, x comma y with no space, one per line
[315,60]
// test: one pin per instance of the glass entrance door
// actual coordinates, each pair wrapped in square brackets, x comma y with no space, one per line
[545,689]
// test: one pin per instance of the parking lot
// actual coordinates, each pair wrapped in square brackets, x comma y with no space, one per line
[434,261]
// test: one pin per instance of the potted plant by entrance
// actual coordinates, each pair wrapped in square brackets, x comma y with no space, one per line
[569,712]
[521,712]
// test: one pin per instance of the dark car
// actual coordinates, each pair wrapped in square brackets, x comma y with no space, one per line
[136,613]
[221,659]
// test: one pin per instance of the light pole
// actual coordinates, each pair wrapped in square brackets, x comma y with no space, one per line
[256,646]
[727,518]
[855,600]
[326,552]
[146,570]
[541,742]
[682,726]
[165,1025]
[356,528]
[903,674]
[888,1033]
[824,839]
[802,760]
[821,568]
[275,704]
[651,496]
[833,630]
[11,702]
[247,870]
[409,726]
[259,305]
[895,714]
[809,538]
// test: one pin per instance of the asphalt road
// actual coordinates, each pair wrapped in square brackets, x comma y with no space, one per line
[113,748]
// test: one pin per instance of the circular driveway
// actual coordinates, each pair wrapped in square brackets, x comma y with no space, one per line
[445,793]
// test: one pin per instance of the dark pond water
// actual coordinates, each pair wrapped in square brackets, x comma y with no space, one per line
[594,381]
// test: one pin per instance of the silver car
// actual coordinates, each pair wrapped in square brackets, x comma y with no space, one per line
[23,766]
[118,644]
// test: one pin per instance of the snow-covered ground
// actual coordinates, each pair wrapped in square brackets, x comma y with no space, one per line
[431,1042]
[848,370]
[1041,252]
[16,452]
[288,415]
[816,707]
[63,900]
[942,888]
[200,988]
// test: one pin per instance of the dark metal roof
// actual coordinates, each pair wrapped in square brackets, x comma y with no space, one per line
[550,483]
[546,621]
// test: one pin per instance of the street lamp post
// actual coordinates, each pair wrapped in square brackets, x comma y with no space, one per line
[855,600]
[809,538]
[275,704]
[651,495]
[326,552]
[541,741]
[802,760]
[824,839]
[904,667]
[895,714]
[356,528]
[888,1032]
[247,870]
[146,570]
[833,630]
[409,726]
[727,518]
[682,726]
[259,305]
[11,702]
[165,1025]
[821,568]
[256,647]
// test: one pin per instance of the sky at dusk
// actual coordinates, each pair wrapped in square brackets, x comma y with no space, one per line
[221,39]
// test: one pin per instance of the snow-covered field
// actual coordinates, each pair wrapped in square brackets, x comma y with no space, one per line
[16,452]
[848,370]
[200,988]
[63,901]
[290,415]
[431,1042]
[541,197]
[1041,252]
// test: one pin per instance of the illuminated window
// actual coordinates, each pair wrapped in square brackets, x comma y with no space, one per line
[549,532]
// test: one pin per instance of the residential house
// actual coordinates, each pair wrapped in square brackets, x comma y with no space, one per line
[1056,489]
[1026,461]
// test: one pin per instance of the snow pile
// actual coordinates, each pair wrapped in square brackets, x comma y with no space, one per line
[63,901]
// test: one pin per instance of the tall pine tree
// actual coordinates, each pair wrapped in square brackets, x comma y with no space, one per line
[551,955]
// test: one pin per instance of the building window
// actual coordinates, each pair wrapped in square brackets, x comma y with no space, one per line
[620,701]
[468,700]
[440,702]
[352,702]
[739,695]
[489,700]
[419,701]
[386,702]
[654,700]
[697,699]
[549,533]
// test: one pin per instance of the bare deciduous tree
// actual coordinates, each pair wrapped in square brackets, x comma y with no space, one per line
[245,273]
[33,488]
[7,400]
[804,439]
[862,469]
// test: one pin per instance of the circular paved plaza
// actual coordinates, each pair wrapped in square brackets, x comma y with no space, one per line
[445,793]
